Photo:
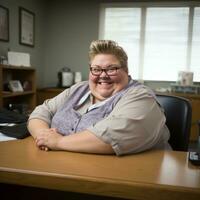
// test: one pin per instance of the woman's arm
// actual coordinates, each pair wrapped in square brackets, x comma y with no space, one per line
[36,126]
[84,141]
[40,118]
[136,124]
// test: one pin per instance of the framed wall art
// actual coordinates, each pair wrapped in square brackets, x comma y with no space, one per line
[26,27]
[4,24]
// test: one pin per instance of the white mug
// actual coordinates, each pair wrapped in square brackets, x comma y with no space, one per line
[78,77]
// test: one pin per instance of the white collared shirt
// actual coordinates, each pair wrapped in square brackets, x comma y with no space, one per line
[85,103]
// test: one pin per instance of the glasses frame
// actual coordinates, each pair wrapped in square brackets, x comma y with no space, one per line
[105,70]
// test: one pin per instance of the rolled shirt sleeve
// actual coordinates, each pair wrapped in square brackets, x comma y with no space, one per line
[137,123]
[47,110]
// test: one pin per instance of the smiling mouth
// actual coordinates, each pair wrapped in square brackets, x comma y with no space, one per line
[104,83]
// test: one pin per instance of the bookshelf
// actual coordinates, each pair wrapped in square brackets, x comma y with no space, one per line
[26,76]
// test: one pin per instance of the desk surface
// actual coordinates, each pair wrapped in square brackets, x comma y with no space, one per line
[148,175]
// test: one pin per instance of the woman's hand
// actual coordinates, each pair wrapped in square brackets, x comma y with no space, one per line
[48,139]
[84,141]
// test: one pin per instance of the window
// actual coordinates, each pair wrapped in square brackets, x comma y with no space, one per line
[195,55]
[123,26]
[160,41]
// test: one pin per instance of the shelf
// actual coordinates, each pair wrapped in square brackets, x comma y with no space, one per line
[52,89]
[14,94]
[16,67]
[22,74]
[186,95]
[47,93]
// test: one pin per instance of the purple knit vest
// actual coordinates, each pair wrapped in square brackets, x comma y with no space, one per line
[68,121]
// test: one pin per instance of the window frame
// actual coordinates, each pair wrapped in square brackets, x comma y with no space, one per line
[144,5]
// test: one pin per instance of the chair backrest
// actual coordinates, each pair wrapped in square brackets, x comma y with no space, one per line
[178,112]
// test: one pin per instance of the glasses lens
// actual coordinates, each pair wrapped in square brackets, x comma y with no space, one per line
[111,70]
[95,70]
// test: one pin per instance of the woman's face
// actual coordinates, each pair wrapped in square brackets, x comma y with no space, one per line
[104,86]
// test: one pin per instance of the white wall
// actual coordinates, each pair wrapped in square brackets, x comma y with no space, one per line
[71,26]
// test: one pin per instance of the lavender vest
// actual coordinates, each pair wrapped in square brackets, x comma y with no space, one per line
[68,120]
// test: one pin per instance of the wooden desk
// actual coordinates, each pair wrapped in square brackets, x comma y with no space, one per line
[148,175]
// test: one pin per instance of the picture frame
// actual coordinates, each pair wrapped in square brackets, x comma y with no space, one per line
[4,24]
[15,86]
[26,27]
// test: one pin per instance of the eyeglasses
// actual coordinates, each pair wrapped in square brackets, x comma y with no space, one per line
[111,70]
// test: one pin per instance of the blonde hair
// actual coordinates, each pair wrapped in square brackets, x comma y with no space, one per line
[108,47]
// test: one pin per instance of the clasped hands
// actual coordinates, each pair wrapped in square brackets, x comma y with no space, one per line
[48,139]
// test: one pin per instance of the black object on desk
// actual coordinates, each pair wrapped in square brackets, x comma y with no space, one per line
[7,116]
[19,129]
[194,158]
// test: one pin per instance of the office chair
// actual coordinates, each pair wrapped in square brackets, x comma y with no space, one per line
[178,112]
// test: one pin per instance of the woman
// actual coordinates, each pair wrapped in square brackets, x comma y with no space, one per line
[110,113]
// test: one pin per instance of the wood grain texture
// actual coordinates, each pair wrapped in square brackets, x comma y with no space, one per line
[149,175]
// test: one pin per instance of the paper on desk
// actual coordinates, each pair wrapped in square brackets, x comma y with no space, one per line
[7,124]
[5,138]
